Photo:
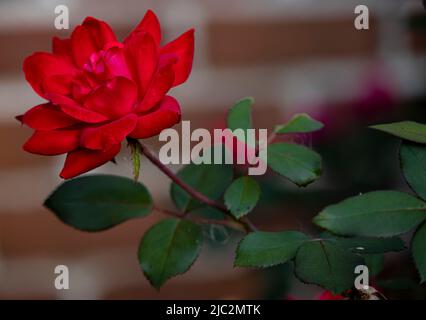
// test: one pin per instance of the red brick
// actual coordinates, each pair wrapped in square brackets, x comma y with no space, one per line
[269,42]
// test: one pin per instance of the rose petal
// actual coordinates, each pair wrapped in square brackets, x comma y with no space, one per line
[114,99]
[115,63]
[83,160]
[105,136]
[149,24]
[183,47]
[90,37]
[47,117]
[52,142]
[59,83]
[141,57]
[73,109]
[61,47]
[160,85]
[49,73]
[151,124]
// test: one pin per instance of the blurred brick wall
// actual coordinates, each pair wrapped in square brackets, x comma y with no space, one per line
[287,54]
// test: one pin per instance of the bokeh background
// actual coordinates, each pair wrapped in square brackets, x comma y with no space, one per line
[291,56]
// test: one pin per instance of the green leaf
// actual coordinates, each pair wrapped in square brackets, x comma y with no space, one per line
[375,263]
[239,116]
[136,157]
[408,130]
[413,163]
[295,162]
[208,213]
[214,233]
[374,214]
[418,247]
[371,245]
[300,123]
[325,263]
[367,245]
[169,248]
[368,248]
[99,202]
[208,179]
[265,249]
[241,196]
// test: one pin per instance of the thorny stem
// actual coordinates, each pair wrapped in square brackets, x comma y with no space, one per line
[244,222]
[201,220]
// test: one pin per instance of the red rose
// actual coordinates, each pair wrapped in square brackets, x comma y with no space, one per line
[101,91]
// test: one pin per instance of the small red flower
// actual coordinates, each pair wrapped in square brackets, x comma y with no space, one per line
[328,295]
[101,91]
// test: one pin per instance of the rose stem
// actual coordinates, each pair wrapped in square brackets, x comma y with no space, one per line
[228,223]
